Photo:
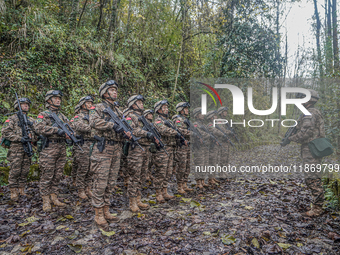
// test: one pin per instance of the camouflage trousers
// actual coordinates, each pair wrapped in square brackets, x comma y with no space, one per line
[82,160]
[20,166]
[199,158]
[135,162]
[123,166]
[312,179]
[74,166]
[146,168]
[223,155]
[182,157]
[104,166]
[163,167]
[52,162]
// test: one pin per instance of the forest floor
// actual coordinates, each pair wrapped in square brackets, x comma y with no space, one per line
[240,216]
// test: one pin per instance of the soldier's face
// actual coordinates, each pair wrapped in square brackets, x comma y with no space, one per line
[149,116]
[139,104]
[186,111]
[87,105]
[200,116]
[56,101]
[165,109]
[224,114]
[112,92]
[25,107]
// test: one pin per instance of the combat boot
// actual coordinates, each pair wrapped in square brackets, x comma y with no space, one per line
[180,189]
[133,205]
[159,196]
[315,211]
[88,192]
[46,203]
[81,194]
[108,216]
[199,184]
[14,194]
[216,181]
[204,184]
[166,195]
[140,204]
[185,187]
[55,200]
[126,181]
[22,191]
[100,219]
[74,181]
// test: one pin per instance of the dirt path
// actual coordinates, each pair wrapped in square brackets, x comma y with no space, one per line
[241,216]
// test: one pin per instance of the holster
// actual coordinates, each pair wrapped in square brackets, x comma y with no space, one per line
[100,143]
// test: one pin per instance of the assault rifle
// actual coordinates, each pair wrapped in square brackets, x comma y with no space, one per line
[122,126]
[179,134]
[66,128]
[148,126]
[25,130]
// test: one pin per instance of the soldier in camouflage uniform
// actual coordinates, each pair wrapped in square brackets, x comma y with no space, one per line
[123,162]
[19,161]
[137,157]
[53,156]
[182,154]
[214,150]
[105,161]
[201,155]
[146,169]
[74,162]
[81,125]
[224,149]
[163,162]
[309,128]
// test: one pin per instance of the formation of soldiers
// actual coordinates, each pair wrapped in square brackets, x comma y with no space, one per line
[108,140]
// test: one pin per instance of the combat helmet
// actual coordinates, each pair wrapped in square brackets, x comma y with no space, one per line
[210,114]
[85,99]
[105,86]
[21,100]
[222,109]
[314,96]
[146,112]
[50,94]
[180,106]
[197,111]
[159,104]
[134,99]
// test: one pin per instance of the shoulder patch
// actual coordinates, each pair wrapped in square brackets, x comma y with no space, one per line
[40,117]
[177,121]
[7,120]
[92,112]
[210,125]
[158,122]
[76,116]
[72,120]
[38,121]
[128,118]
[195,125]
[93,107]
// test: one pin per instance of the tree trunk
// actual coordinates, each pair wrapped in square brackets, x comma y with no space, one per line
[82,12]
[128,20]
[113,21]
[318,47]
[101,7]
[335,38]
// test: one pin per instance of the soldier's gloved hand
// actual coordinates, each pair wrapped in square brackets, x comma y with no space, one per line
[117,128]
[178,136]
[284,142]
[30,123]
[61,132]
[150,136]
[107,119]
[25,139]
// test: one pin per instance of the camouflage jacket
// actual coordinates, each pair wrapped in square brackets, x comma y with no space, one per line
[43,124]
[168,134]
[178,121]
[205,136]
[80,124]
[132,118]
[12,132]
[102,127]
[309,127]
